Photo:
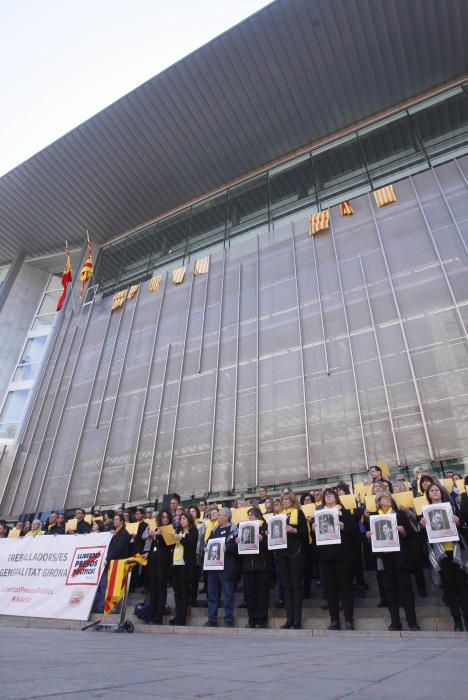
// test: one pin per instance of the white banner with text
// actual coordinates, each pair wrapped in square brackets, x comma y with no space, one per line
[52,575]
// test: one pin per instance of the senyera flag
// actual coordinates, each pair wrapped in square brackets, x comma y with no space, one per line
[117,579]
[66,279]
[86,270]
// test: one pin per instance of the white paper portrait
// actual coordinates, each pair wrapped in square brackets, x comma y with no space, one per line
[277,537]
[384,533]
[440,525]
[327,526]
[214,555]
[249,542]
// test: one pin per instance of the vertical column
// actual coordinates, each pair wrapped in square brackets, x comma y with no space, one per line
[236,383]
[88,406]
[103,396]
[322,320]
[119,381]
[218,352]
[182,363]
[449,209]
[350,345]
[441,262]
[202,332]
[158,422]
[257,376]
[379,356]
[403,333]
[145,396]
[301,350]
[62,413]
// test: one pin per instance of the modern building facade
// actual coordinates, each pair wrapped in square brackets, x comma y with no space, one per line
[292,358]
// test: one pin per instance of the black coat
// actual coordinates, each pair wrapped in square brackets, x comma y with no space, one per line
[138,541]
[232,563]
[189,543]
[83,528]
[119,546]
[297,541]
[344,550]
[262,561]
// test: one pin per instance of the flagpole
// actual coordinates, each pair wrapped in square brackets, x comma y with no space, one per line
[72,281]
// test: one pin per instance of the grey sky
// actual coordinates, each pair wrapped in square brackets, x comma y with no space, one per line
[64,60]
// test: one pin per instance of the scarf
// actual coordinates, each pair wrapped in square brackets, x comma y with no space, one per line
[293,516]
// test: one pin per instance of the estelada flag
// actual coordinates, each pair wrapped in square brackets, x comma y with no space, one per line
[385,195]
[86,270]
[66,279]
[117,579]
[346,209]
[319,221]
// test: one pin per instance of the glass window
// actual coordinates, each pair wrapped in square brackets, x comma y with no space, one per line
[43,323]
[55,283]
[49,302]
[443,126]
[33,350]
[25,372]
[208,222]
[14,406]
[171,239]
[248,205]
[339,169]
[109,263]
[291,187]
[8,431]
[391,147]
[3,273]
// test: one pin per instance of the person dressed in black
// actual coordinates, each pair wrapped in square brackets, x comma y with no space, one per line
[82,527]
[291,560]
[160,562]
[396,567]
[447,559]
[377,476]
[257,570]
[184,564]
[109,516]
[336,565]
[119,548]
[57,527]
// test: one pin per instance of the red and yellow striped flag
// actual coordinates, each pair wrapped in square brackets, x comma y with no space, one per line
[201,266]
[178,275]
[153,284]
[119,299]
[319,221]
[117,574]
[384,196]
[86,270]
[346,209]
[66,279]
[133,290]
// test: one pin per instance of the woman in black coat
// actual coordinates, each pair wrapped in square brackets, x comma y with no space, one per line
[160,562]
[336,565]
[291,560]
[184,566]
[396,567]
[447,558]
[257,570]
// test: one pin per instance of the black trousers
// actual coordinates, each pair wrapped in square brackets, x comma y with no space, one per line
[194,580]
[455,587]
[337,584]
[160,565]
[181,585]
[291,569]
[256,593]
[396,580]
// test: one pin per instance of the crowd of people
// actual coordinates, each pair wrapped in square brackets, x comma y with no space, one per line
[174,541]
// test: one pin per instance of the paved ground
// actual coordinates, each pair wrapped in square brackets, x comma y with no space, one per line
[63,664]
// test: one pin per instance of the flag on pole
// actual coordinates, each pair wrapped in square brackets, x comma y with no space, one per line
[384,196]
[117,579]
[153,284]
[319,221]
[346,209]
[178,275]
[66,279]
[87,269]
[201,266]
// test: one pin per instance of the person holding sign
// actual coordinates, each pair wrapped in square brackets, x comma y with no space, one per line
[257,571]
[291,560]
[336,561]
[226,579]
[396,565]
[448,558]
[160,561]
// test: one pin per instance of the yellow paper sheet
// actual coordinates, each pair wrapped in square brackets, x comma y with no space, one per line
[370,504]
[349,501]
[448,483]
[262,507]
[308,509]
[71,524]
[168,532]
[14,533]
[419,502]
[404,500]
[239,514]
[132,528]
[89,519]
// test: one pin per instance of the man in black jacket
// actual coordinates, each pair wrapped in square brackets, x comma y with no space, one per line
[82,527]
[58,527]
